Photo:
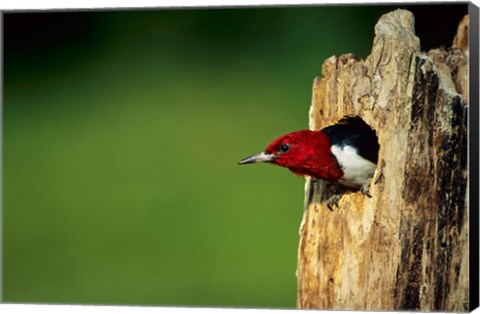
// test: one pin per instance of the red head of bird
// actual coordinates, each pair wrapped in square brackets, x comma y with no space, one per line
[345,153]
[303,152]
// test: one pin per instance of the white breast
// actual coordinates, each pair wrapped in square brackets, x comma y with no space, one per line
[357,170]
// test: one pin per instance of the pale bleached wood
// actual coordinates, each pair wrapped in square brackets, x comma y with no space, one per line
[406,247]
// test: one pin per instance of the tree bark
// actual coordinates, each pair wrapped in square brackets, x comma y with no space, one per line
[406,247]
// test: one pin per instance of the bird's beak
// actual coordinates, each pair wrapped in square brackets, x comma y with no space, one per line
[260,157]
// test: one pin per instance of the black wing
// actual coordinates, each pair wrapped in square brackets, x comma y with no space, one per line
[353,131]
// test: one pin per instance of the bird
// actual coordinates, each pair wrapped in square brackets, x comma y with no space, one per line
[345,154]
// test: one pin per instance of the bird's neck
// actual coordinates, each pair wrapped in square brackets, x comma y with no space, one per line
[320,163]
[326,168]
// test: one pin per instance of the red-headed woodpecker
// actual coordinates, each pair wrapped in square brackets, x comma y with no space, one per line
[345,153]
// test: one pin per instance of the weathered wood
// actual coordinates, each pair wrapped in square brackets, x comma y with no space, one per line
[406,247]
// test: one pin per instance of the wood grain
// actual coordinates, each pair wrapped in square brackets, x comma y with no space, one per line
[406,247]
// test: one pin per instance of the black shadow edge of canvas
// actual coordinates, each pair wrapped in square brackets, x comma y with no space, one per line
[2,31]
[473,165]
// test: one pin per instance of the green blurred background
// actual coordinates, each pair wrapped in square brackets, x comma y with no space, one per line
[121,136]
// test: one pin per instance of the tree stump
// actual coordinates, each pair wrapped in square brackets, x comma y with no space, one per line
[406,247]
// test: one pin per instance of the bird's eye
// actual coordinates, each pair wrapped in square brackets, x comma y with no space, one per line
[284,148]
